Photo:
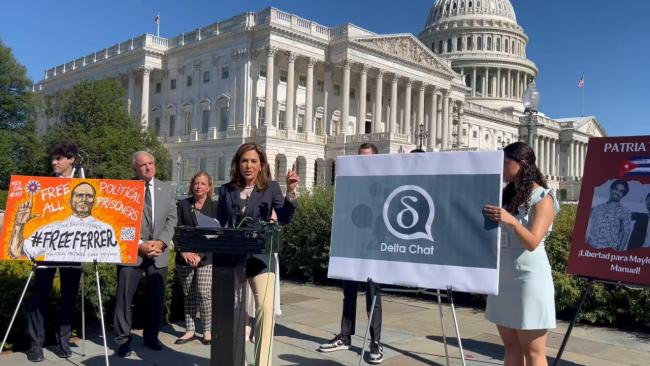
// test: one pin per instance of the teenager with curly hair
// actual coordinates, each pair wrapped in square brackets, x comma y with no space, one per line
[524,310]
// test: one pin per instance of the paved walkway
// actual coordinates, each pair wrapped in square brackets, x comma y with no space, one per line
[411,335]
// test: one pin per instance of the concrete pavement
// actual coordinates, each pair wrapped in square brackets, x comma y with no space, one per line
[411,335]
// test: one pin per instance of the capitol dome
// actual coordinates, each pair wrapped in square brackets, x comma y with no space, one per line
[486,46]
[478,8]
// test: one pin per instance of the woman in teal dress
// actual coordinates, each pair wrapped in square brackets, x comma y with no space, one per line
[524,310]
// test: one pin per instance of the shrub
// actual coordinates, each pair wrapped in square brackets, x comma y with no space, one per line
[307,238]
[13,276]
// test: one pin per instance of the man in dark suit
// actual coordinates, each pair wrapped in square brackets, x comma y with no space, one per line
[343,340]
[640,236]
[156,232]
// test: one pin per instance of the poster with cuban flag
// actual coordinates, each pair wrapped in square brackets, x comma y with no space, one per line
[611,240]
[417,220]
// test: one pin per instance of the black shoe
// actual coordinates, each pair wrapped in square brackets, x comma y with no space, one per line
[183,340]
[124,350]
[154,345]
[63,351]
[35,353]
[376,353]
[338,343]
[206,341]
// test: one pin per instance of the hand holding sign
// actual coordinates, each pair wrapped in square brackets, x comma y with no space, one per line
[499,214]
[292,180]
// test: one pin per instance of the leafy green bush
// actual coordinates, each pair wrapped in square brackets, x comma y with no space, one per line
[307,238]
[13,276]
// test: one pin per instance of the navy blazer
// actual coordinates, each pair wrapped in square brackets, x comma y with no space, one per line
[260,205]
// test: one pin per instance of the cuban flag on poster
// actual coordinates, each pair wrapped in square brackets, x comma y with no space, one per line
[634,167]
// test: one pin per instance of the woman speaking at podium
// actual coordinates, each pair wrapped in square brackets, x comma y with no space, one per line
[251,194]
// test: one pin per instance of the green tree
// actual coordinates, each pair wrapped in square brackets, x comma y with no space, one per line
[20,150]
[307,238]
[92,115]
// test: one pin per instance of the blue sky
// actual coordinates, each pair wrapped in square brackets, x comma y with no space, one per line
[606,40]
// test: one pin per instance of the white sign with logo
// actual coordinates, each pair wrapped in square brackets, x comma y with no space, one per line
[417,220]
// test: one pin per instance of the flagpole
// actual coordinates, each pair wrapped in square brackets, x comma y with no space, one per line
[158,26]
[584,84]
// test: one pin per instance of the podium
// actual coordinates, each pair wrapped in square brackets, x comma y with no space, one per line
[230,248]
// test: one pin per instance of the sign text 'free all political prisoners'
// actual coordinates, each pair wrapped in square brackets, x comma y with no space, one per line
[72,220]
[417,220]
[611,239]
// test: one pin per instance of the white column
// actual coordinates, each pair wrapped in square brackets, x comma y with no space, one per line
[445,119]
[376,118]
[393,105]
[487,82]
[547,156]
[309,99]
[420,106]
[498,83]
[433,114]
[269,102]
[407,109]
[553,159]
[536,149]
[439,119]
[345,94]
[291,90]
[459,132]
[361,118]
[144,108]
[473,81]
[517,90]
[582,159]
[327,86]
[573,159]
[509,86]
[131,94]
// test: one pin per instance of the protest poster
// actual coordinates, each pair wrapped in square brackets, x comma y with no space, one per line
[611,240]
[72,220]
[417,220]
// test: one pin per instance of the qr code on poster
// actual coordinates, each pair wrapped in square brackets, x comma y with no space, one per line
[128,233]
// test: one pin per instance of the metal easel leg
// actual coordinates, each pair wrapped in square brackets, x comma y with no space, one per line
[101,311]
[442,326]
[450,296]
[11,323]
[83,315]
[372,313]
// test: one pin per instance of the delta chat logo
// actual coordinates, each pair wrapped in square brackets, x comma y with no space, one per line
[408,213]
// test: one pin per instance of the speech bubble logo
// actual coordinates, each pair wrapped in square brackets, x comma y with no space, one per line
[408,213]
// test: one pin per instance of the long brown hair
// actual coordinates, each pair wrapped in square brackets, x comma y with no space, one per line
[210,183]
[517,193]
[237,179]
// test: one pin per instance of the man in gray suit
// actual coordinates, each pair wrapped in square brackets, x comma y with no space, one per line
[156,232]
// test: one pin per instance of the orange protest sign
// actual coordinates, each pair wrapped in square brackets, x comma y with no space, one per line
[72,220]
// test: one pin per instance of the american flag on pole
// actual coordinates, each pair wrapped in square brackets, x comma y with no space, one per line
[581,82]
[156,19]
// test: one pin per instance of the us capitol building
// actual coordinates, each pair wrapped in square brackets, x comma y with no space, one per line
[308,93]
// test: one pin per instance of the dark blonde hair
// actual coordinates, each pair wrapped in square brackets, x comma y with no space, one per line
[210,183]
[237,179]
